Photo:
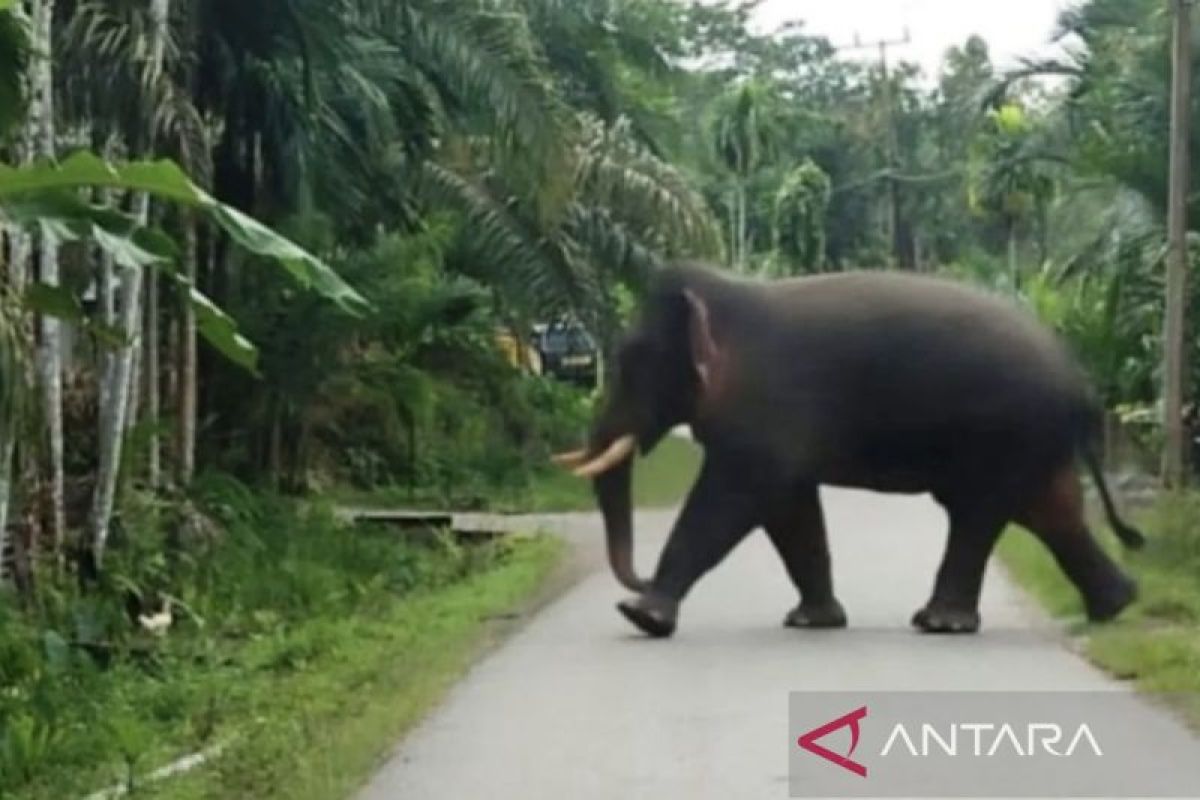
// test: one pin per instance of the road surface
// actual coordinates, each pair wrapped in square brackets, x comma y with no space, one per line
[579,706]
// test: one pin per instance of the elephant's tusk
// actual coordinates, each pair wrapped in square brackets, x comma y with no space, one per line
[617,453]
[576,458]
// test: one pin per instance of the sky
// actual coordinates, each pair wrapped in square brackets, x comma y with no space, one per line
[1013,28]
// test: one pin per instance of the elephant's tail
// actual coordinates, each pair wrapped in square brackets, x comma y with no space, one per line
[1130,536]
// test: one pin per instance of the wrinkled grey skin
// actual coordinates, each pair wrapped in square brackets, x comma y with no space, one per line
[881,381]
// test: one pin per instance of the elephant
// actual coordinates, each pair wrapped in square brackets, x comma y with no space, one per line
[885,381]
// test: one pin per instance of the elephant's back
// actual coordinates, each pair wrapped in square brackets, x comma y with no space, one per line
[898,327]
[908,374]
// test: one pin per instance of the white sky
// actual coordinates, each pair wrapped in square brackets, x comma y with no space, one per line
[1013,28]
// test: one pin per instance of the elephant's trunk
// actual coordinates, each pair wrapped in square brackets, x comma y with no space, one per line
[613,490]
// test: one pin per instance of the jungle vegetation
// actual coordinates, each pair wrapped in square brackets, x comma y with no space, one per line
[256,254]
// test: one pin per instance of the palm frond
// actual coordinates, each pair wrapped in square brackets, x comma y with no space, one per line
[647,193]
[487,58]
[508,252]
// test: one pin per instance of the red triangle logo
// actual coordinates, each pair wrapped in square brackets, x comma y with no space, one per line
[809,741]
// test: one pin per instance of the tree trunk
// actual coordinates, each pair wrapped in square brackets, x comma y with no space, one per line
[141,211]
[121,390]
[18,261]
[185,382]
[19,254]
[151,378]
[105,297]
[1013,267]
[1043,235]
[743,228]
[1174,459]
[133,405]
[740,262]
[50,356]
[170,366]
[733,229]
[275,445]
[112,419]
[7,447]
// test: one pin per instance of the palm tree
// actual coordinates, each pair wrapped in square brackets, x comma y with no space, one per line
[120,384]
[625,210]
[1010,181]
[14,394]
[744,137]
[14,55]
[800,208]
[40,143]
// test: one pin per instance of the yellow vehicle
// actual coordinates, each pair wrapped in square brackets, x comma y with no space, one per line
[521,356]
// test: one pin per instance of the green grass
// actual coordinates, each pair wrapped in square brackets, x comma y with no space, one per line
[307,648]
[1156,643]
[321,732]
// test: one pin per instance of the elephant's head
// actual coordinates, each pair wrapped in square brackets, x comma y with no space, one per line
[666,371]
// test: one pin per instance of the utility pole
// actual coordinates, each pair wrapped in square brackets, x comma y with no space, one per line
[1175,329]
[892,141]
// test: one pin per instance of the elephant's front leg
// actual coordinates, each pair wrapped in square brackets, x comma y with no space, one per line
[720,510]
[796,526]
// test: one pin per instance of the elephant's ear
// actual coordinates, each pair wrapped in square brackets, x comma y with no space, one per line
[707,357]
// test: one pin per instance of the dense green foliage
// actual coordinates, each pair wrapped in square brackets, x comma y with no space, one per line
[486,166]
[423,398]
[436,173]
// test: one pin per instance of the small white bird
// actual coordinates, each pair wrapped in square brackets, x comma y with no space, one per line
[157,624]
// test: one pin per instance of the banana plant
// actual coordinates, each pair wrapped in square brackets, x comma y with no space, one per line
[47,196]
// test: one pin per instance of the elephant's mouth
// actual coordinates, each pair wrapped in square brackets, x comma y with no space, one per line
[611,471]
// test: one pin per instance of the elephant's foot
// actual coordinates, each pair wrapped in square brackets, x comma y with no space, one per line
[655,616]
[829,614]
[939,618]
[1110,604]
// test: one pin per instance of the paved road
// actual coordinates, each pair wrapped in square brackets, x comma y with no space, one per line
[577,706]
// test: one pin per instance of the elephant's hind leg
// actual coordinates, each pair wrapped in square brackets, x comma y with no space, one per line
[954,607]
[1057,518]
[796,527]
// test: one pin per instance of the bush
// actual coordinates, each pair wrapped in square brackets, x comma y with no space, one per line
[478,448]
[417,393]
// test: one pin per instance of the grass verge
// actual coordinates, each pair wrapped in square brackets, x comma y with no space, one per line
[319,734]
[304,647]
[1156,643]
